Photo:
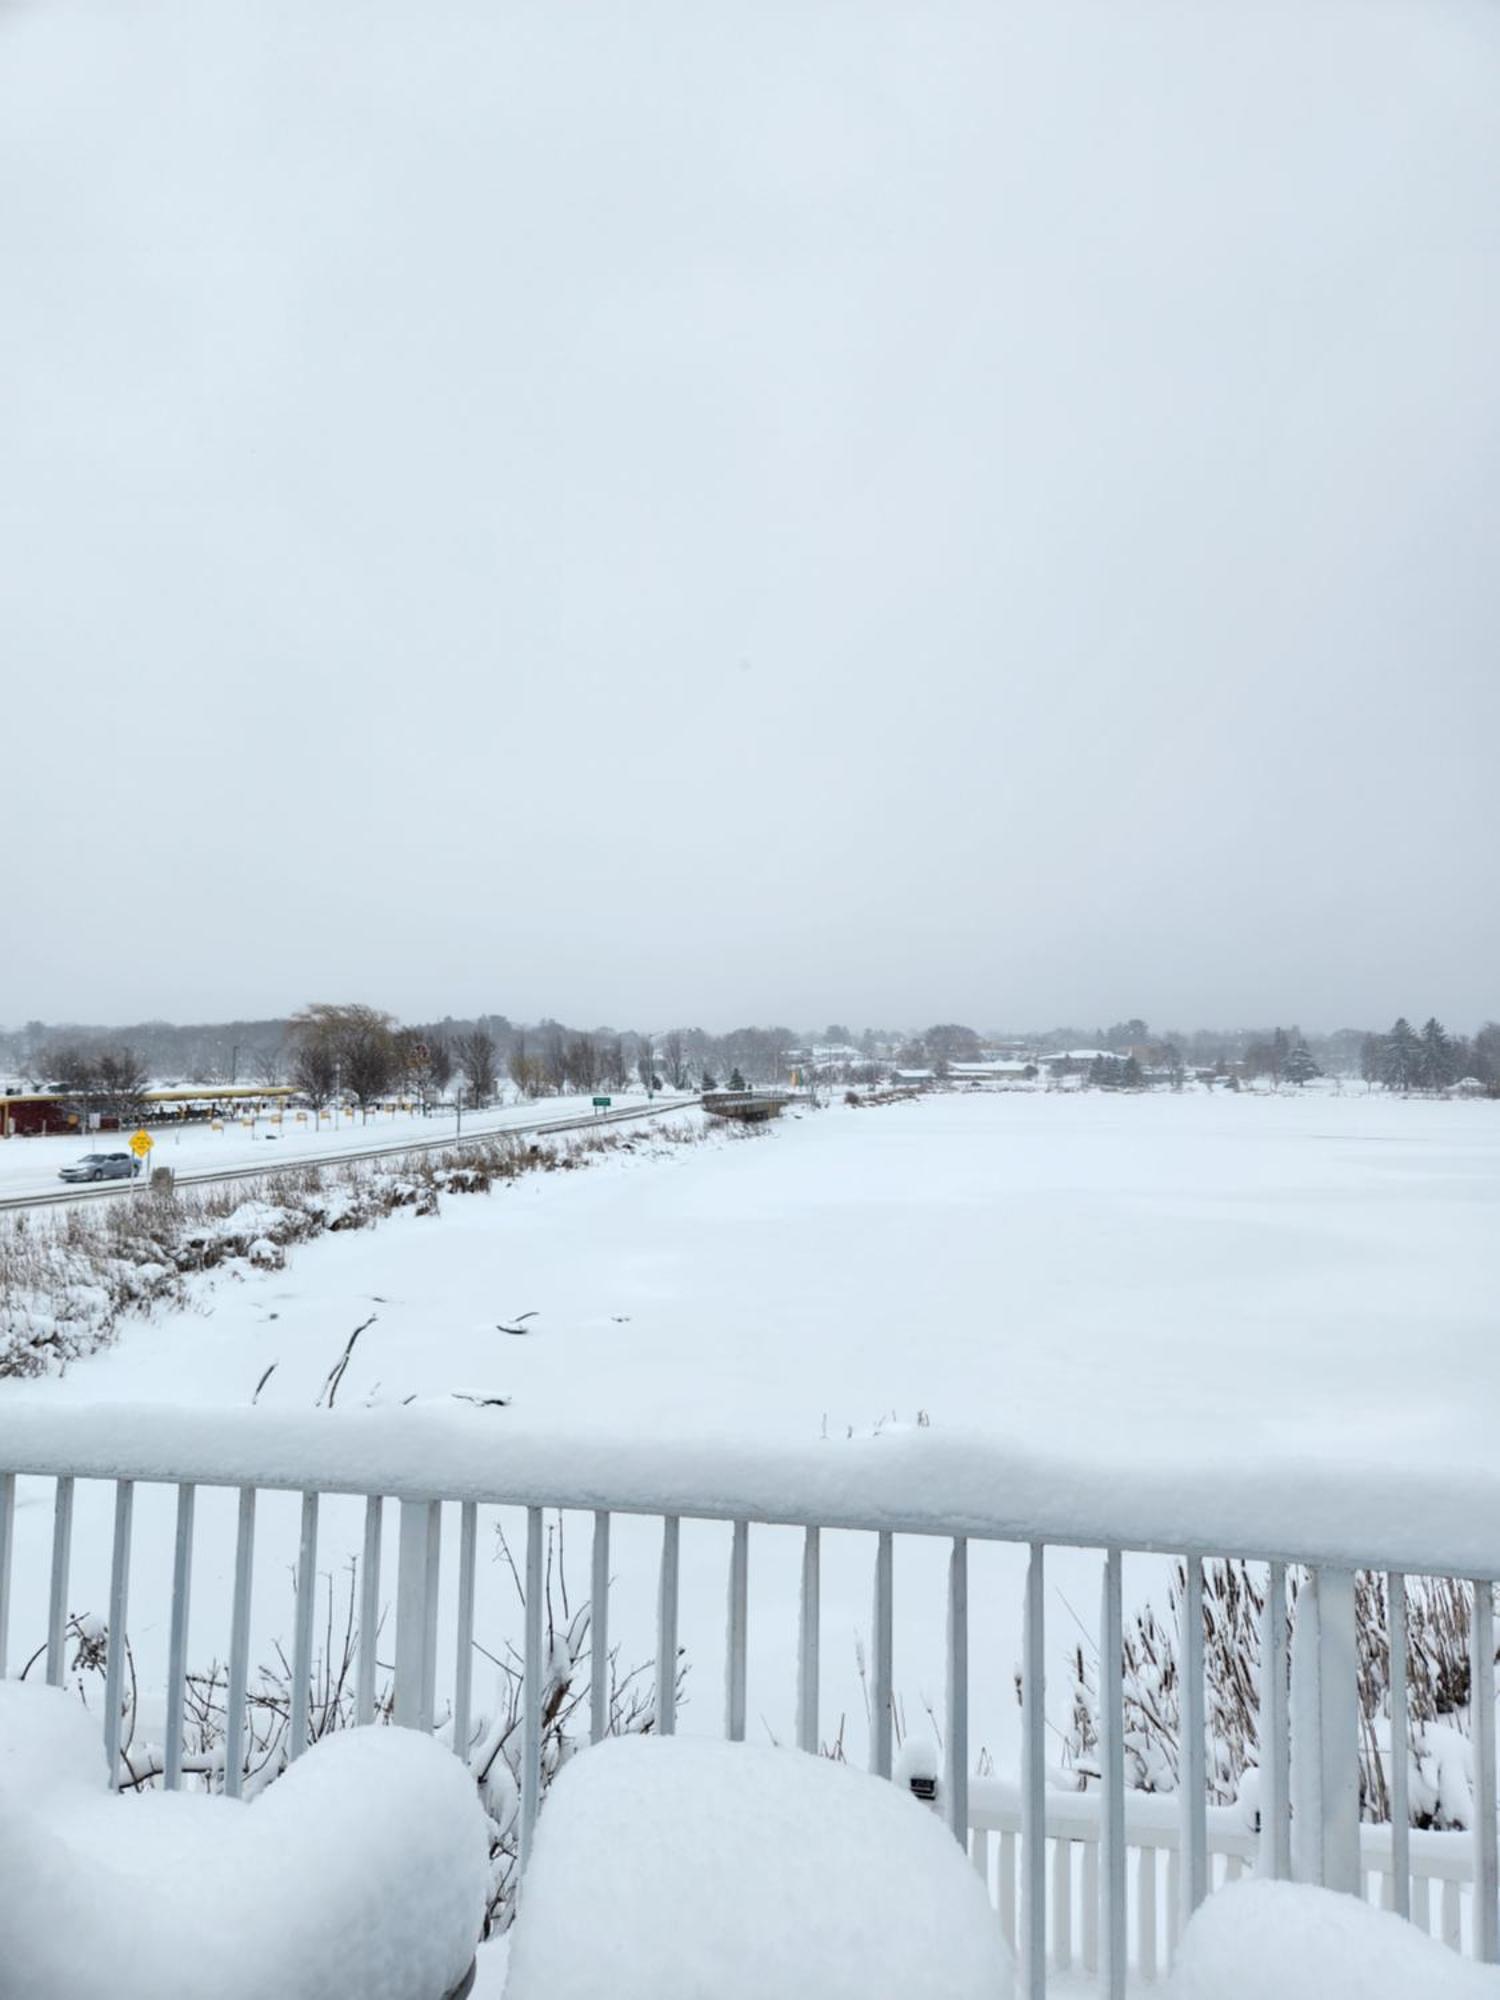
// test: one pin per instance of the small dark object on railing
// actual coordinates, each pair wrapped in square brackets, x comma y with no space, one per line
[924,1789]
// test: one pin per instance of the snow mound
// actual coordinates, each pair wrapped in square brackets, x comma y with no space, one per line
[1280,1941]
[670,1869]
[362,1871]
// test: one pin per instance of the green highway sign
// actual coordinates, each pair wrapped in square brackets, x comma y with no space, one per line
[603,1103]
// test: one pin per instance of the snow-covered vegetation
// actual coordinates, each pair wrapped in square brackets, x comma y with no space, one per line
[68,1277]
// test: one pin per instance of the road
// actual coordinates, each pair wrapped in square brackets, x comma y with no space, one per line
[263,1169]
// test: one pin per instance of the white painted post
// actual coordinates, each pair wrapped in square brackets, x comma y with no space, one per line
[182,1582]
[1112,1821]
[1325,1734]
[1338,1711]
[57,1596]
[1192,1760]
[119,1598]
[416,1613]
[7,1533]
[1275,1749]
[1400,1749]
[957,1773]
[666,1627]
[880,1698]
[239,1647]
[739,1630]
[463,1664]
[531,1689]
[1034,1784]
[369,1612]
[1482,1710]
[599,1631]
[808,1632]
[302,1626]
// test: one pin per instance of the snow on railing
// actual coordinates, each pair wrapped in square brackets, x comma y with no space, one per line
[959,1490]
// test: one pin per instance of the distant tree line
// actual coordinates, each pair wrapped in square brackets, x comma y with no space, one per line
[361,1052]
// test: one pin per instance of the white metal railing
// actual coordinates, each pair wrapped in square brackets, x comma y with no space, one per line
[450,1461]
[1440,1880]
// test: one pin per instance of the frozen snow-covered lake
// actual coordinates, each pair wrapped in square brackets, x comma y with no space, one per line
[1268,1273]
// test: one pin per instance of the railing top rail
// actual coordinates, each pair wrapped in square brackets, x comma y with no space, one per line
[910,1480]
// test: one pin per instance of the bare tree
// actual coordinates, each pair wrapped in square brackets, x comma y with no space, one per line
[582,1063]
[674,1059]
[355,1042]
[269,1063]
[315,1071]
[475,1052]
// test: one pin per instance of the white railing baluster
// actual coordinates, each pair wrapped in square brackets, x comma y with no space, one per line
[177,1642]
[1453,1921]
[7,1537]
[1482,1712]
[1193,1776]
[739,1630]
[599,1630]
[239,1647]
[1062,1905]
[957,1770]
[302,1628]
[1090,1902]
[369,1611]
[114,1651]
[1008,1888]
[1034,1783]
[808,1617]
[881,1692]
[531,1689]
[1145,1913]
[979,1854]
[1174,1901]
[1400,1875]
[1112,1746]
[1276,1760]
[666,1627]
[463,1662]
[57,1596]
[1421,1903]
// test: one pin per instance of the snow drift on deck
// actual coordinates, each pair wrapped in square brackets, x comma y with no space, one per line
[362,1871]
[670,1869]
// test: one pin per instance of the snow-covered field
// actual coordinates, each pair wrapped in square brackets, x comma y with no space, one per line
[1138,1277]
[30,1165]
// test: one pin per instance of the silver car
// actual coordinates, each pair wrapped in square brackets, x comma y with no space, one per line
[101,1167]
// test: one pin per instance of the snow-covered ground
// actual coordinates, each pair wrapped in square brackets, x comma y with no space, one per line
[1137,1278]
[30,1165]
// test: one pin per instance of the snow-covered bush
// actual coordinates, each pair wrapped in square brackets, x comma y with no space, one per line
[1438,1613]
[68,1277]
[492,1753]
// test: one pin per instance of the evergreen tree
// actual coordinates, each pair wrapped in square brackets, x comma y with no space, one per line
[1299,1066]
[1130,1074]
[1435,1061]
[736,1081]
[1400,1057]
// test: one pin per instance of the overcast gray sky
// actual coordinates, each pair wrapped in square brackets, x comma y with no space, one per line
[717,512]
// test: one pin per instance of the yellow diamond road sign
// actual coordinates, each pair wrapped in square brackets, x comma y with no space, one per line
[141,1144]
